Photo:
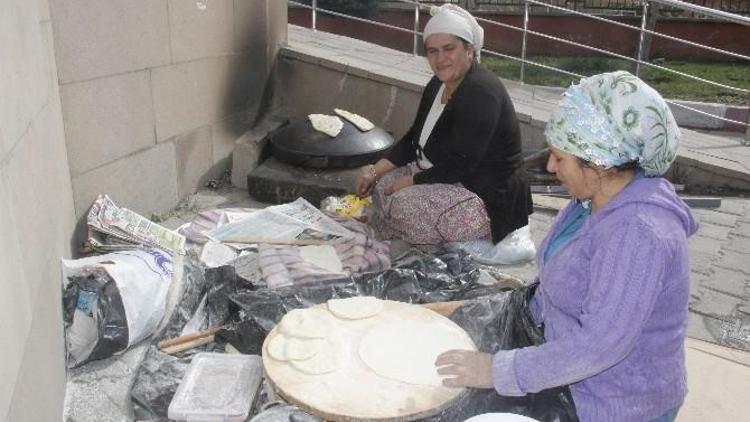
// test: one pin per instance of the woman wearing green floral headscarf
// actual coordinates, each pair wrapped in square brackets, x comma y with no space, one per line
[613,271]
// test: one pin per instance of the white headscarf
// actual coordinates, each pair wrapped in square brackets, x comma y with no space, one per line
[451,19]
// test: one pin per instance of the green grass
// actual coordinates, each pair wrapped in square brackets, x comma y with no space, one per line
[668,84]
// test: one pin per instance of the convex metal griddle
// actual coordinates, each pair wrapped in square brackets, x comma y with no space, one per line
[301,145]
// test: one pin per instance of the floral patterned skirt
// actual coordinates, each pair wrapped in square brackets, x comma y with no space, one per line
[428,215]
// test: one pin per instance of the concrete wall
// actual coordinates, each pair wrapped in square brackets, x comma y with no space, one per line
[155,92]
[311,85]
[36,216]
[141,99]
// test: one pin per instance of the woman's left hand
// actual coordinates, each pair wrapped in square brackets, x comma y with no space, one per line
[465,369]
[398,184]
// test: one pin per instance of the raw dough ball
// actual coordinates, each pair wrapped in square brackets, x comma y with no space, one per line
[407,351]
[332,355]
[281,347]
[307,323]
[356,307]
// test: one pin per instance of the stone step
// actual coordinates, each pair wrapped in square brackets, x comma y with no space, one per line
[276,182]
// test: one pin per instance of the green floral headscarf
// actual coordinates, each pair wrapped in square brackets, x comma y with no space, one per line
[613,119]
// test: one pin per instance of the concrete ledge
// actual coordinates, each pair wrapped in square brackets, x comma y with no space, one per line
[275,182]
[249,149]
[704,160]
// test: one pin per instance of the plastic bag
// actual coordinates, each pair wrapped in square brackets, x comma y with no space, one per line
[515,248]
[113,301]
[346,206]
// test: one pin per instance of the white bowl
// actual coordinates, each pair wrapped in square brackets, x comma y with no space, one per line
[500,417]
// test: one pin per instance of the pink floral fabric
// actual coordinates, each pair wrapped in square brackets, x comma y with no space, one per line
[428,215]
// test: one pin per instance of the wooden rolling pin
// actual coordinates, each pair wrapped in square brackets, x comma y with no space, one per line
[296,242]
[188,341]
[181,347]
[444,308]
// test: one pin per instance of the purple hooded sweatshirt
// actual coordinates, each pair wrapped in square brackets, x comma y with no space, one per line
[614,303]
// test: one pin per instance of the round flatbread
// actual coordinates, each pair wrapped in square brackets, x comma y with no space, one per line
[307,323]
[360,122]
[330,125]
[284,348]
[355,307]
[407,351]
[332,355]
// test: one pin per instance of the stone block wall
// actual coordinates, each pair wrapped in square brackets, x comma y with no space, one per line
[155,92]
[36,216]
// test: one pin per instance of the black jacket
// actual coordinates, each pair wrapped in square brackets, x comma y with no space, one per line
[475,142]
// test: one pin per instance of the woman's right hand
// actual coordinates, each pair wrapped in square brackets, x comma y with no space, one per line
[365,184]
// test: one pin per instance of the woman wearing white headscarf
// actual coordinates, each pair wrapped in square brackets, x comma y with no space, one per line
[613,271]
[455,176]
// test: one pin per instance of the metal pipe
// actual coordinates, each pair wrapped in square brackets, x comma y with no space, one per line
[314,15]
[523,42]
[742,20]
[354,18]
[416,28]
[731,17]
[641,37]
[619,56]
[647,31]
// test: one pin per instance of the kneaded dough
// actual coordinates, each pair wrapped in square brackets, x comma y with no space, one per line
[281,347]
[332,355]
[330,125]
[356,307]
[308,323]
[407,351]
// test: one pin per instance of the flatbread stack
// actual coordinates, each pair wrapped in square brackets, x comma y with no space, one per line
[309,339]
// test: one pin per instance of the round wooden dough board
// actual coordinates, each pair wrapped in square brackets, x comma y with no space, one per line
[354,392]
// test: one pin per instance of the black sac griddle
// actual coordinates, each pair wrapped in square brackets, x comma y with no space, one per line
[301,145]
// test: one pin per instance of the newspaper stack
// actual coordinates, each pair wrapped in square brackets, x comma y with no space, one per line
[113,228]
[290,221]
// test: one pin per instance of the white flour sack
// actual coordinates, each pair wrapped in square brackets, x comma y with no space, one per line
[113,301]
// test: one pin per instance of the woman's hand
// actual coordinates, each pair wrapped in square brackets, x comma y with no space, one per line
[364,185]
[398,184]
[465,368]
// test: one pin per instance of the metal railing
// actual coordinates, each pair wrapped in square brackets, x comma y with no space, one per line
[638,60]
[739,7]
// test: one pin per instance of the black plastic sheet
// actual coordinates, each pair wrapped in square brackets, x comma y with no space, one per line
[112,325]
[495,317]
[160,374]
[503,322]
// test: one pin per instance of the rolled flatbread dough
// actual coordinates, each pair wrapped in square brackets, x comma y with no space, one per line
[307,323]
[332,355]
[407,351]
[330,125]
[360,122]
[281,347]
[355,307]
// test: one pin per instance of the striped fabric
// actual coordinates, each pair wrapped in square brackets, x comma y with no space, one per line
[283,266]
[206,221]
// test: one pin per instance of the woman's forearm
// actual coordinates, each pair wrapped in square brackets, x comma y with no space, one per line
[382,167]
